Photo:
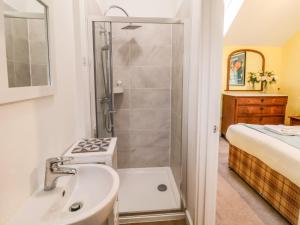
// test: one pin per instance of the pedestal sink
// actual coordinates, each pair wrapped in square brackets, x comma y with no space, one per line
[84,199]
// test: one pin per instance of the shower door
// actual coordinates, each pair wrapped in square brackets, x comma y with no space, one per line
[103,79]
[145,60]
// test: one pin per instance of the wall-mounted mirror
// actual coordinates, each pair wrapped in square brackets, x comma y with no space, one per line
[26,42]
[239,66]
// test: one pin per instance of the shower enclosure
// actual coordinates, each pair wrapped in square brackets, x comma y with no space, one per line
[138,81]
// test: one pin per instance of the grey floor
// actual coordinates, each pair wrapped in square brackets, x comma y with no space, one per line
[260,207]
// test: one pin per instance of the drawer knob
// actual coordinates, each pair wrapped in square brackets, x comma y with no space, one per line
[262,100]
[261,108]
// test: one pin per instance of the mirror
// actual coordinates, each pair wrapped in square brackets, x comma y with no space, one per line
[240,64]
[26,41]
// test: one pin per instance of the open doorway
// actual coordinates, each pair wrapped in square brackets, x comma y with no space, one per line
[259,94]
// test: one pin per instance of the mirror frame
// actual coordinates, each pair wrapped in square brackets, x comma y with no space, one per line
[9,95]
[228,66]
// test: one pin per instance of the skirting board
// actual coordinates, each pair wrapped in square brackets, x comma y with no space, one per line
[152,217]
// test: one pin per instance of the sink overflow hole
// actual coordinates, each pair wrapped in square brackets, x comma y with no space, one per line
[63,193]
[162,187]
[75,206]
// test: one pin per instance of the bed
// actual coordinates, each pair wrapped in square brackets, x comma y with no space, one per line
[269,165]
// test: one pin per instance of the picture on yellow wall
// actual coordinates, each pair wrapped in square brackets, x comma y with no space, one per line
[237,69]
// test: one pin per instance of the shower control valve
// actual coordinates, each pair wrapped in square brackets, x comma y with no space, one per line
[119,83]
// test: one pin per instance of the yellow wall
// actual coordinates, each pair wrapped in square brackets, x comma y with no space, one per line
[273,56]
[290,78]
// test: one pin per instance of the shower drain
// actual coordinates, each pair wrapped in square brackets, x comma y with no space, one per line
[162,187]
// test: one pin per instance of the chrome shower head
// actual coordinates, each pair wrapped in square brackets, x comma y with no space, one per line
[131,27]
[128,27]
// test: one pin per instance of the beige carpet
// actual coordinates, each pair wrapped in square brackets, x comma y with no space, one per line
[237,203]
[231,208]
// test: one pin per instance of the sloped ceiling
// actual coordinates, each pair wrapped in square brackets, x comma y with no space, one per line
[264,22]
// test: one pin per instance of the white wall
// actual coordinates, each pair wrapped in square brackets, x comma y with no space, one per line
[143,8]
[94,7]
[203,37]
[189,127]
[135,8]
[31,131]
[82,69]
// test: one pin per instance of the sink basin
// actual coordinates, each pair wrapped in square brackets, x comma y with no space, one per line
[84,199]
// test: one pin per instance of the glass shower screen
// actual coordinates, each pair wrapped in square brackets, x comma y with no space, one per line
[144,62]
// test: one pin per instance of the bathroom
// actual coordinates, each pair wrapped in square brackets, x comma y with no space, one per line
[127,74]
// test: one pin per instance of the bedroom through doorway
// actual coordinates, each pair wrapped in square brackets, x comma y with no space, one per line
[258,182]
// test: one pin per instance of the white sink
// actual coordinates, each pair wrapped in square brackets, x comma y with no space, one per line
[94,186]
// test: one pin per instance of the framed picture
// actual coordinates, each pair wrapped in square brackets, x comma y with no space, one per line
[237,69]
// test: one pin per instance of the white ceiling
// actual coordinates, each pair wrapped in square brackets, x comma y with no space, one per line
[265,22]
[25,5]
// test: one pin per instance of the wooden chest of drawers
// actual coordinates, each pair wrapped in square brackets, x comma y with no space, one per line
[295,120]
[256,109]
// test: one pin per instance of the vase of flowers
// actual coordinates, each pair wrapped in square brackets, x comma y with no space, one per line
[253,79]
[266,78]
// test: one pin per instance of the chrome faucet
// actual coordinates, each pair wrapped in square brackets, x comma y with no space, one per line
[54,170]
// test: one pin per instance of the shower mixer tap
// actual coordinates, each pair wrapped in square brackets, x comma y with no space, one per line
[105,100]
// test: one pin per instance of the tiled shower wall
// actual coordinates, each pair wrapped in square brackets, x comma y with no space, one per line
[142,60]
[27,52]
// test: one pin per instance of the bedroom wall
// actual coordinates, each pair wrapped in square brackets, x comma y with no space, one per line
[273,57]
[290,79]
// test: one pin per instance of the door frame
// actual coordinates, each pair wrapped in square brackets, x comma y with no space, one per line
[207,18]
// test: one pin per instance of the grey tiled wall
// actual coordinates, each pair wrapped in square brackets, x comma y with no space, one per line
[142,59]
[27,52]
